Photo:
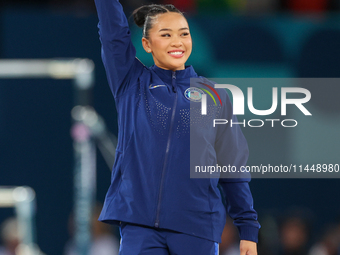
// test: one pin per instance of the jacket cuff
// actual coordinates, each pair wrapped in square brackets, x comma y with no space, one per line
[248,233]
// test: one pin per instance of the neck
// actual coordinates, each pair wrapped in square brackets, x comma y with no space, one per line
[171,69]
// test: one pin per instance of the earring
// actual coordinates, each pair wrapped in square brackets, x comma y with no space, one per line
[149,51]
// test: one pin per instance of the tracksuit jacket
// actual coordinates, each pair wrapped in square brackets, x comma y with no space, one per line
[150,182]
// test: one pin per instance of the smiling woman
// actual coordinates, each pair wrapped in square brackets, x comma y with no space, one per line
[166,36]
[159,208]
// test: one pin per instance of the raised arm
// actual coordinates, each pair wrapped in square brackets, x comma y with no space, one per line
[118,53]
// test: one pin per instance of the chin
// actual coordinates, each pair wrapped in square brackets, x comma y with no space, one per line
[178,66]
[171,64]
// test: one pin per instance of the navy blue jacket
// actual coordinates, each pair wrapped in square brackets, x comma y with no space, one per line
[150,183]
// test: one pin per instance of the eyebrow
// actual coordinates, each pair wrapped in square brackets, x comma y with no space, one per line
[168,29]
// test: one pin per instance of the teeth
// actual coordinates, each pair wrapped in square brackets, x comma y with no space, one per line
[176,52]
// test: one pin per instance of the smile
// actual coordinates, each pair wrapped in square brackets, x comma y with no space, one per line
[176,54]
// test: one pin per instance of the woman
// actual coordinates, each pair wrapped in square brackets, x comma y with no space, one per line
[160,209]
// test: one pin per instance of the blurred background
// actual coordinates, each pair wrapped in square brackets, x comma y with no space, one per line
[232,38]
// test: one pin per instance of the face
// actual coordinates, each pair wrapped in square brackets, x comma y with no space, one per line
[169,41]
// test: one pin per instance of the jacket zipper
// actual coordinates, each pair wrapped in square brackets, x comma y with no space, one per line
[167,149]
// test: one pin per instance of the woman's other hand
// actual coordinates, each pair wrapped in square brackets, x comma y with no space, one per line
[248,248]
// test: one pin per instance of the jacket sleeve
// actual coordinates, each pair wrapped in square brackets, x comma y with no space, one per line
[232,150]
[118,53]
[231,146]
[239,206]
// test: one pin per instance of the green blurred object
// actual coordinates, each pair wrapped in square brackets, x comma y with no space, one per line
[207,6]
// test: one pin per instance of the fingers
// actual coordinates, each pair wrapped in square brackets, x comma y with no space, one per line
[248,252]
[248,248]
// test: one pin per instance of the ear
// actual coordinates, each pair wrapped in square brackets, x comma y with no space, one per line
[146,45]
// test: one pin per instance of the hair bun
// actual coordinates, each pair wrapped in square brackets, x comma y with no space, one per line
[140,14]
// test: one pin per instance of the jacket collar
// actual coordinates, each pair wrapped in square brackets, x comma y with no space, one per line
[166,75]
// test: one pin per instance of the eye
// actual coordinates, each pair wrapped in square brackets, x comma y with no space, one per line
[185,34]
[165,35]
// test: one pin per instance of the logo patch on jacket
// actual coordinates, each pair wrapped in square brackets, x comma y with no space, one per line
[193,94]
[156,86]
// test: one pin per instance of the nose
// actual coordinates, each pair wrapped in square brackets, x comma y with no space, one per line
[176,42]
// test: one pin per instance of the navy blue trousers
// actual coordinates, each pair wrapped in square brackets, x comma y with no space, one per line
[141,240]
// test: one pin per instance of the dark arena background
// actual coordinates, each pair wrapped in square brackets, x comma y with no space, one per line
[231,38]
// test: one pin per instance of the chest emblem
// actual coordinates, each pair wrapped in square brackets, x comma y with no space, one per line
[193,94]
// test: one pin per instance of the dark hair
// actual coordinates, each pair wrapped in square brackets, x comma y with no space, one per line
[144,15]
